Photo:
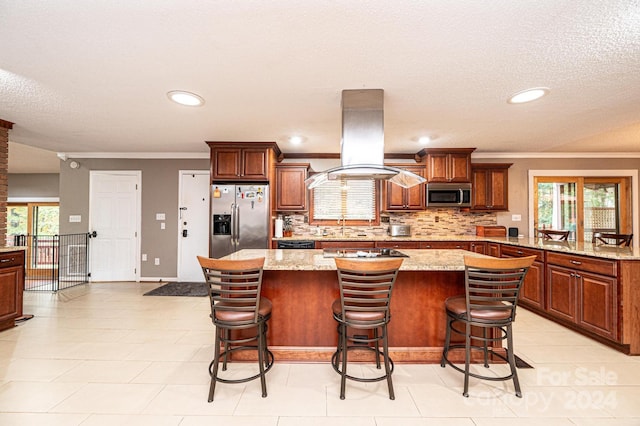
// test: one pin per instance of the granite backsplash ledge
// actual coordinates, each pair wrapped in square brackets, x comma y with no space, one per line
[431,222]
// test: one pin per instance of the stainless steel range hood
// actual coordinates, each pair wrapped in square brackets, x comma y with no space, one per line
[362,145]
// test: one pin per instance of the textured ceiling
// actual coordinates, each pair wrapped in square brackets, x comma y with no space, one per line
[93,76]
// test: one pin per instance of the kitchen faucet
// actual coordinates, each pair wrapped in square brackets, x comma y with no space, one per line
[341,219]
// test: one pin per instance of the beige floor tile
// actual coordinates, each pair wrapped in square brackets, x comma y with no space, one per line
[34,397]
[109,398]
[619,401]
[175,373]
[607,422]
[370,399]
[445,401]
[522,422]
[330,421]
[282,401]
[28,370]
[97,371]
[163,352]
[551,402]
[232,421]
[41,419]
[191,400]
[132,420]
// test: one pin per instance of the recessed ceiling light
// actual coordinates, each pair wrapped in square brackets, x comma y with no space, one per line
[185,98]
[424,140]
[528,95]
[295,140]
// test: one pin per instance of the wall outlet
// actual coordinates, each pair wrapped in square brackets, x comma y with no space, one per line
[516,217]
[156,261]
[384,219]
[437,219]
[162,225]
[144,257]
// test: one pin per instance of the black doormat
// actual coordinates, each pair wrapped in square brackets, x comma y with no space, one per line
[180,289]
[520,363]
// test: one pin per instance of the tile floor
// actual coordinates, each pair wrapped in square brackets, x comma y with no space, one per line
[102,354]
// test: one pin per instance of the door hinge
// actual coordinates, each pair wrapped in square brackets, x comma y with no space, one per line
[136,186]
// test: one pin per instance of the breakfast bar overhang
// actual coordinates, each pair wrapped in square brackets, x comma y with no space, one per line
[302,284]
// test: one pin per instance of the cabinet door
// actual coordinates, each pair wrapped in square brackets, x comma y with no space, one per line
[561,296]
[226,163]
[493,249]
[597,303]
[254,163]
[497,183]
[437,167]
[459,167]
[532,292]
[480,196]
[478,247]
[395,197]
[11,287]
[291,192]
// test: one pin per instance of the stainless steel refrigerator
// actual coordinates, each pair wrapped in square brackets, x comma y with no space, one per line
[240,218]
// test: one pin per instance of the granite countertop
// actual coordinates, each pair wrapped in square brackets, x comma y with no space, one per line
[313,260]
[10,249]
[569,247]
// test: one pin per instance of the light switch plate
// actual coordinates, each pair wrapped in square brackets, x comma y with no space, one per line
[75,218]
[516,217]
[160,216]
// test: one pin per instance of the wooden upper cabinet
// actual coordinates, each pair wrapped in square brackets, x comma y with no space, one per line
[397,198]
[242,161]
[490,186]
[291,192]
[448,164]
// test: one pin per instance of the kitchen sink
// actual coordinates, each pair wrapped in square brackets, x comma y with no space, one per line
[363,253]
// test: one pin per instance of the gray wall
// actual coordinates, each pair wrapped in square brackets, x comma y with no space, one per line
[160,182]
[160,195]
[33,185]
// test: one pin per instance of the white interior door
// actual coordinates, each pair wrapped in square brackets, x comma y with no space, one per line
[114,214]
[193,226]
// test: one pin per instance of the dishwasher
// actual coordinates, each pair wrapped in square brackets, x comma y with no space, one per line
[297,244]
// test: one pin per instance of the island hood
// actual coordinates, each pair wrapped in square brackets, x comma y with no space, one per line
[362,145]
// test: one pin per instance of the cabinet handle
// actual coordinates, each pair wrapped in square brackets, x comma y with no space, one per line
[572,274]
[575,262]
[520,252]
[578,276]
[428,246]
[7,260]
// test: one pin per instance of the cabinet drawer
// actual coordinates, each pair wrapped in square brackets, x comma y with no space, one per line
[398,244]
[583,263]
[445,245]
[512,251]
[11,259]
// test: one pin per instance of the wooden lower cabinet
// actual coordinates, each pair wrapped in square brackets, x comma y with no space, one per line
[11,287]
[493,249]
[585,298]
[478,247]
[532,292]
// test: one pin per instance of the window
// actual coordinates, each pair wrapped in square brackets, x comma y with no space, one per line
[32,219]
[582,205]
[356,201]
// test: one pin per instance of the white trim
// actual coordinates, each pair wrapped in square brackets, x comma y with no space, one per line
[136,155]
[555,155]
[633,173]
[138,175]
[33,200]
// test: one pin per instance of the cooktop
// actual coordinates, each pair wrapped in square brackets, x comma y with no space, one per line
[352,252]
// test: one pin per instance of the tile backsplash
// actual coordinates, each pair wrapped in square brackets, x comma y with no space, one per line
[431,222]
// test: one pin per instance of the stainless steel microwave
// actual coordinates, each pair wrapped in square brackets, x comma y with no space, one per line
[448,195]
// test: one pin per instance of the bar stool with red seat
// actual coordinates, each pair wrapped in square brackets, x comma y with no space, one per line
[239,313]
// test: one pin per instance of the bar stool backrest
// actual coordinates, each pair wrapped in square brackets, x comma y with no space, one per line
[493,286]
[553,234]
[620,240]
[234,286]
[365,289]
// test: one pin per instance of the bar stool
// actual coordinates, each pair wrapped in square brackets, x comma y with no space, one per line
[237,309]
[492,287]
[620,240]
[553,234]
[363,307]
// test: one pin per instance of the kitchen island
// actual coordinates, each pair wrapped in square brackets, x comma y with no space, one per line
[302,284]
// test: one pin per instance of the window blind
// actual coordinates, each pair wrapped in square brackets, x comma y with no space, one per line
[351,199]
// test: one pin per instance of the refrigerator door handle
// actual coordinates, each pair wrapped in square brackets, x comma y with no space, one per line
[237,225]
[233,225]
